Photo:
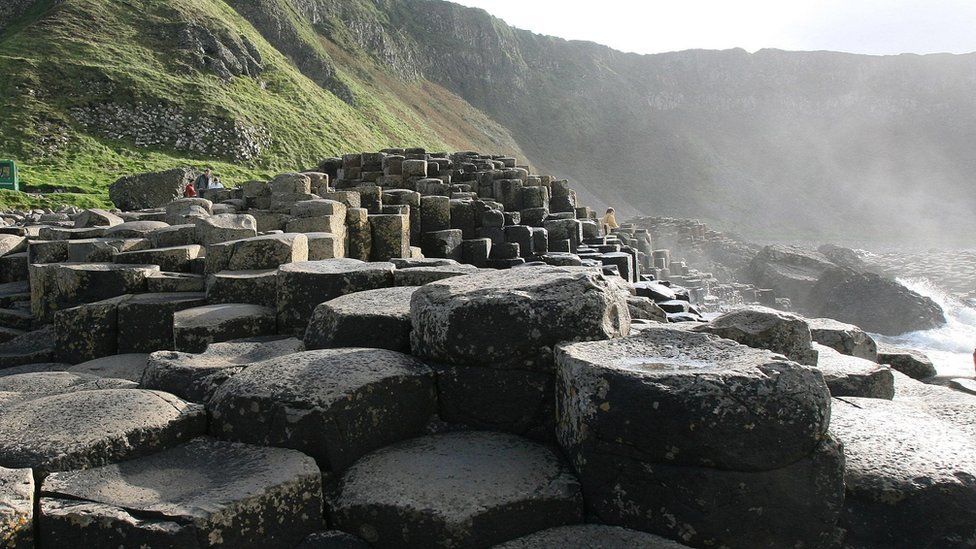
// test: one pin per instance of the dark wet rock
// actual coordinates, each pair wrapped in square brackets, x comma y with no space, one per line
[790,271]
[797,505]
[145,321]
[911,478]
[873,302]
[335,404]
[205,493]
[465,489]
[303,285]
[377,319]
[86,429]
[685,398]
[30,347]
[332,539]
[765,328]
[195,377]
[846,339]
[591,536]
[855,377]
[912,363]
[16,508]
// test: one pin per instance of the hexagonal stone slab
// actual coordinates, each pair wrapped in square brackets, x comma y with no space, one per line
[303,285]
[418,276]
[128,366]
[464,489]
[195,377]
[911,478]
[194,329]
[515,316]
[851,376]
[16,508]
[765,328]
[378,319]
[954,407]
[335,404]
[686,398]
[54,383]
[86,429]
[591,536]
[260,252]
[205,493]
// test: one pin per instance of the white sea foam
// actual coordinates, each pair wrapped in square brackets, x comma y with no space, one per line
[951,346]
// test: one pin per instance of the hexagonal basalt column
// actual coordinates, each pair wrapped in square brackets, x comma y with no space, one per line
[335,404]
[205,493]
[467,489]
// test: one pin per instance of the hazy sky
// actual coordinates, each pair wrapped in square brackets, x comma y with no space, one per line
[651,26]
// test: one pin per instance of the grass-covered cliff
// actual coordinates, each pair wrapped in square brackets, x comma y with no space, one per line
[776,144]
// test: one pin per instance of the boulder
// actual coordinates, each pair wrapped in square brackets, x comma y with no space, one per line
[84,429]
[791,271]
[765,328]
[174,235]
[844,338]
[954,407]
[643,308]
[335,405]
[150,190]
[162,282]
[873,302]
[591,536]
[303,285]
[851,376]
[16,508]
[195,377]
[912,363]
[377,319]
[911,478]
[205,493]
[194,329]
[465,489]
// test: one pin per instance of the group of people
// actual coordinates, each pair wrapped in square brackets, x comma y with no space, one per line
[204,181]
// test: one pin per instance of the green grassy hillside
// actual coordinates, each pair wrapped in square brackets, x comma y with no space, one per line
[90,56]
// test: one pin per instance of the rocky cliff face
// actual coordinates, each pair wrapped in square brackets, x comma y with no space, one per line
[791,144]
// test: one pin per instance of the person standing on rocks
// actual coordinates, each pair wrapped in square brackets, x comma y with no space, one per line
[609,221]
[203,181]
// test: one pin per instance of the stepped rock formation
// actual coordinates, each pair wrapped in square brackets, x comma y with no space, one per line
[252,85]
[471,361]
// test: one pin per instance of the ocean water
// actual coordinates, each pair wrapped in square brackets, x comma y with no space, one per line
[950,347]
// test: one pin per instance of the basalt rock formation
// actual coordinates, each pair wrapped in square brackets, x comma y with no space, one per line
[406,349]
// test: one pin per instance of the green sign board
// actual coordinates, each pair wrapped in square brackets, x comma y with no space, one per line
[8,175]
